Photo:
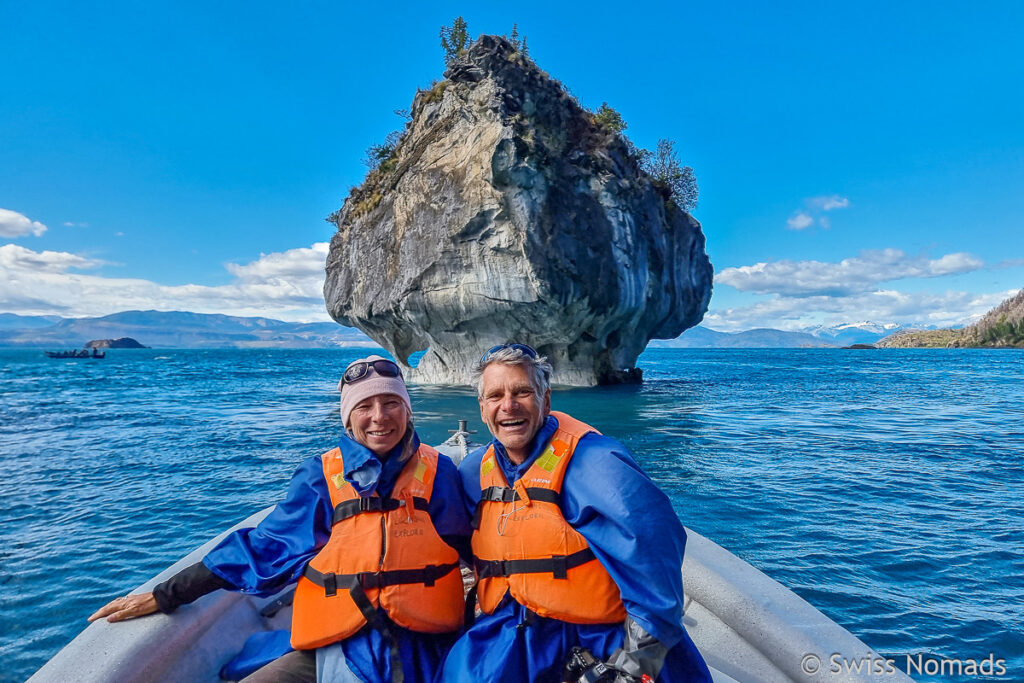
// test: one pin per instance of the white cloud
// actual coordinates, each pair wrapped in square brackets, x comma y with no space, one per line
[304,262]
[15,258]
[69,224]
[286,285]
[849,276]
[14,224]
[805,218]
[790,313]
[829,202]
[800,220]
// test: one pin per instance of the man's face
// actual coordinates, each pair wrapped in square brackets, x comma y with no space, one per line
[510,408]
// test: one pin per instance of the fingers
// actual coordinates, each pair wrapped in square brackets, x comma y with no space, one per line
[127,607]
[135,606]
[108,608]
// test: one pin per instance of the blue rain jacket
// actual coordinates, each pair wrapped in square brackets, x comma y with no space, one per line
[634,532]
[267,558]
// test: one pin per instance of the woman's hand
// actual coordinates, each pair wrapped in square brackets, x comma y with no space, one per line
[128,607]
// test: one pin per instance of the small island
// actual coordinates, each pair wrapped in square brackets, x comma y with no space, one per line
[122,343]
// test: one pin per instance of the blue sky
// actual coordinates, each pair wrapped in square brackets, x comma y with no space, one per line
[856,161]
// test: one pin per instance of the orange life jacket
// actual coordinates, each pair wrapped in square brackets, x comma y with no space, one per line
[523,544]
[383,552]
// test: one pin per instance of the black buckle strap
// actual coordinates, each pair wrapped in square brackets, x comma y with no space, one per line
[330,581]
[357,506]
[504,494]
[498,494]
[283,599]
[558,565]
[377,620]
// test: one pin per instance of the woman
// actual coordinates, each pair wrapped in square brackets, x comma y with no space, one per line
[371,530]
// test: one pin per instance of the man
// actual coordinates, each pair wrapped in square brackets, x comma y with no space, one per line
[575,546]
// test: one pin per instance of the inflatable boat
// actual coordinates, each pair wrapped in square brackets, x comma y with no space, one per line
[747,626]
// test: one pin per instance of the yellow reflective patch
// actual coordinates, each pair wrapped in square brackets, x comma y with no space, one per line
[339,481]
[548,461]
[486,468]
[421,471]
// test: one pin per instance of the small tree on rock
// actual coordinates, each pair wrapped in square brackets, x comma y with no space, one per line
[609,118]
[454,40]
[378,154]
[663,165]
[518,43]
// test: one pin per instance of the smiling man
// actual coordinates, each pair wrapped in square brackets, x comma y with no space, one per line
[575,547]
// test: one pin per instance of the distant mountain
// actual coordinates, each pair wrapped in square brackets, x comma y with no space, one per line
[10,321]
[705,338]
[178,329]
[181,329]
[846,334]
[1001,327]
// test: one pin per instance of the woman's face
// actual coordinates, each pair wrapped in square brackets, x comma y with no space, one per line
[379,422]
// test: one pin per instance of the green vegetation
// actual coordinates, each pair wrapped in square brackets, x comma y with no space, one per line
[366,204]
[378,156]
[1003,326]
[924,339]
[1004,333]
[518,43]
[664,167]
[454,40]
[435,92]
[609,118]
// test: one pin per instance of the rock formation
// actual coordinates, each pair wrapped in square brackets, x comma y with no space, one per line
[508,213]
[122,343]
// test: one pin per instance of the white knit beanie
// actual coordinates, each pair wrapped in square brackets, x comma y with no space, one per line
[354,393]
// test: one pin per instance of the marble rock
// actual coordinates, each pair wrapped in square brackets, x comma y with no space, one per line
[507,213]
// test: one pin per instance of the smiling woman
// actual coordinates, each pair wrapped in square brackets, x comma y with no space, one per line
[375,407]
[333,533]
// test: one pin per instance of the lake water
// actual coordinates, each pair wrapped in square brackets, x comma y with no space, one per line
[885,487]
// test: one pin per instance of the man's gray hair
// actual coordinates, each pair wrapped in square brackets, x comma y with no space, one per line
[539,367]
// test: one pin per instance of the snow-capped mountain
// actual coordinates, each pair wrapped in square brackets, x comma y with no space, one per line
[864,332]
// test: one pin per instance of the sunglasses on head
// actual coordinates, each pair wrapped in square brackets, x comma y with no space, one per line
[526,350]
[361,369]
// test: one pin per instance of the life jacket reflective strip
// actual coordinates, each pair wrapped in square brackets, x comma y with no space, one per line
[523,544]
[383,553]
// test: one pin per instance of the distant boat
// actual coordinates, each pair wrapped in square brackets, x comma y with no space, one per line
[81,353]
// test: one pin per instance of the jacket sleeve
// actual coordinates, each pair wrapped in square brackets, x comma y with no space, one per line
[188,585]
[630,525]
[447,509]
[264,559]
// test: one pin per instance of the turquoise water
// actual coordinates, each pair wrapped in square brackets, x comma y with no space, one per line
[886,488]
